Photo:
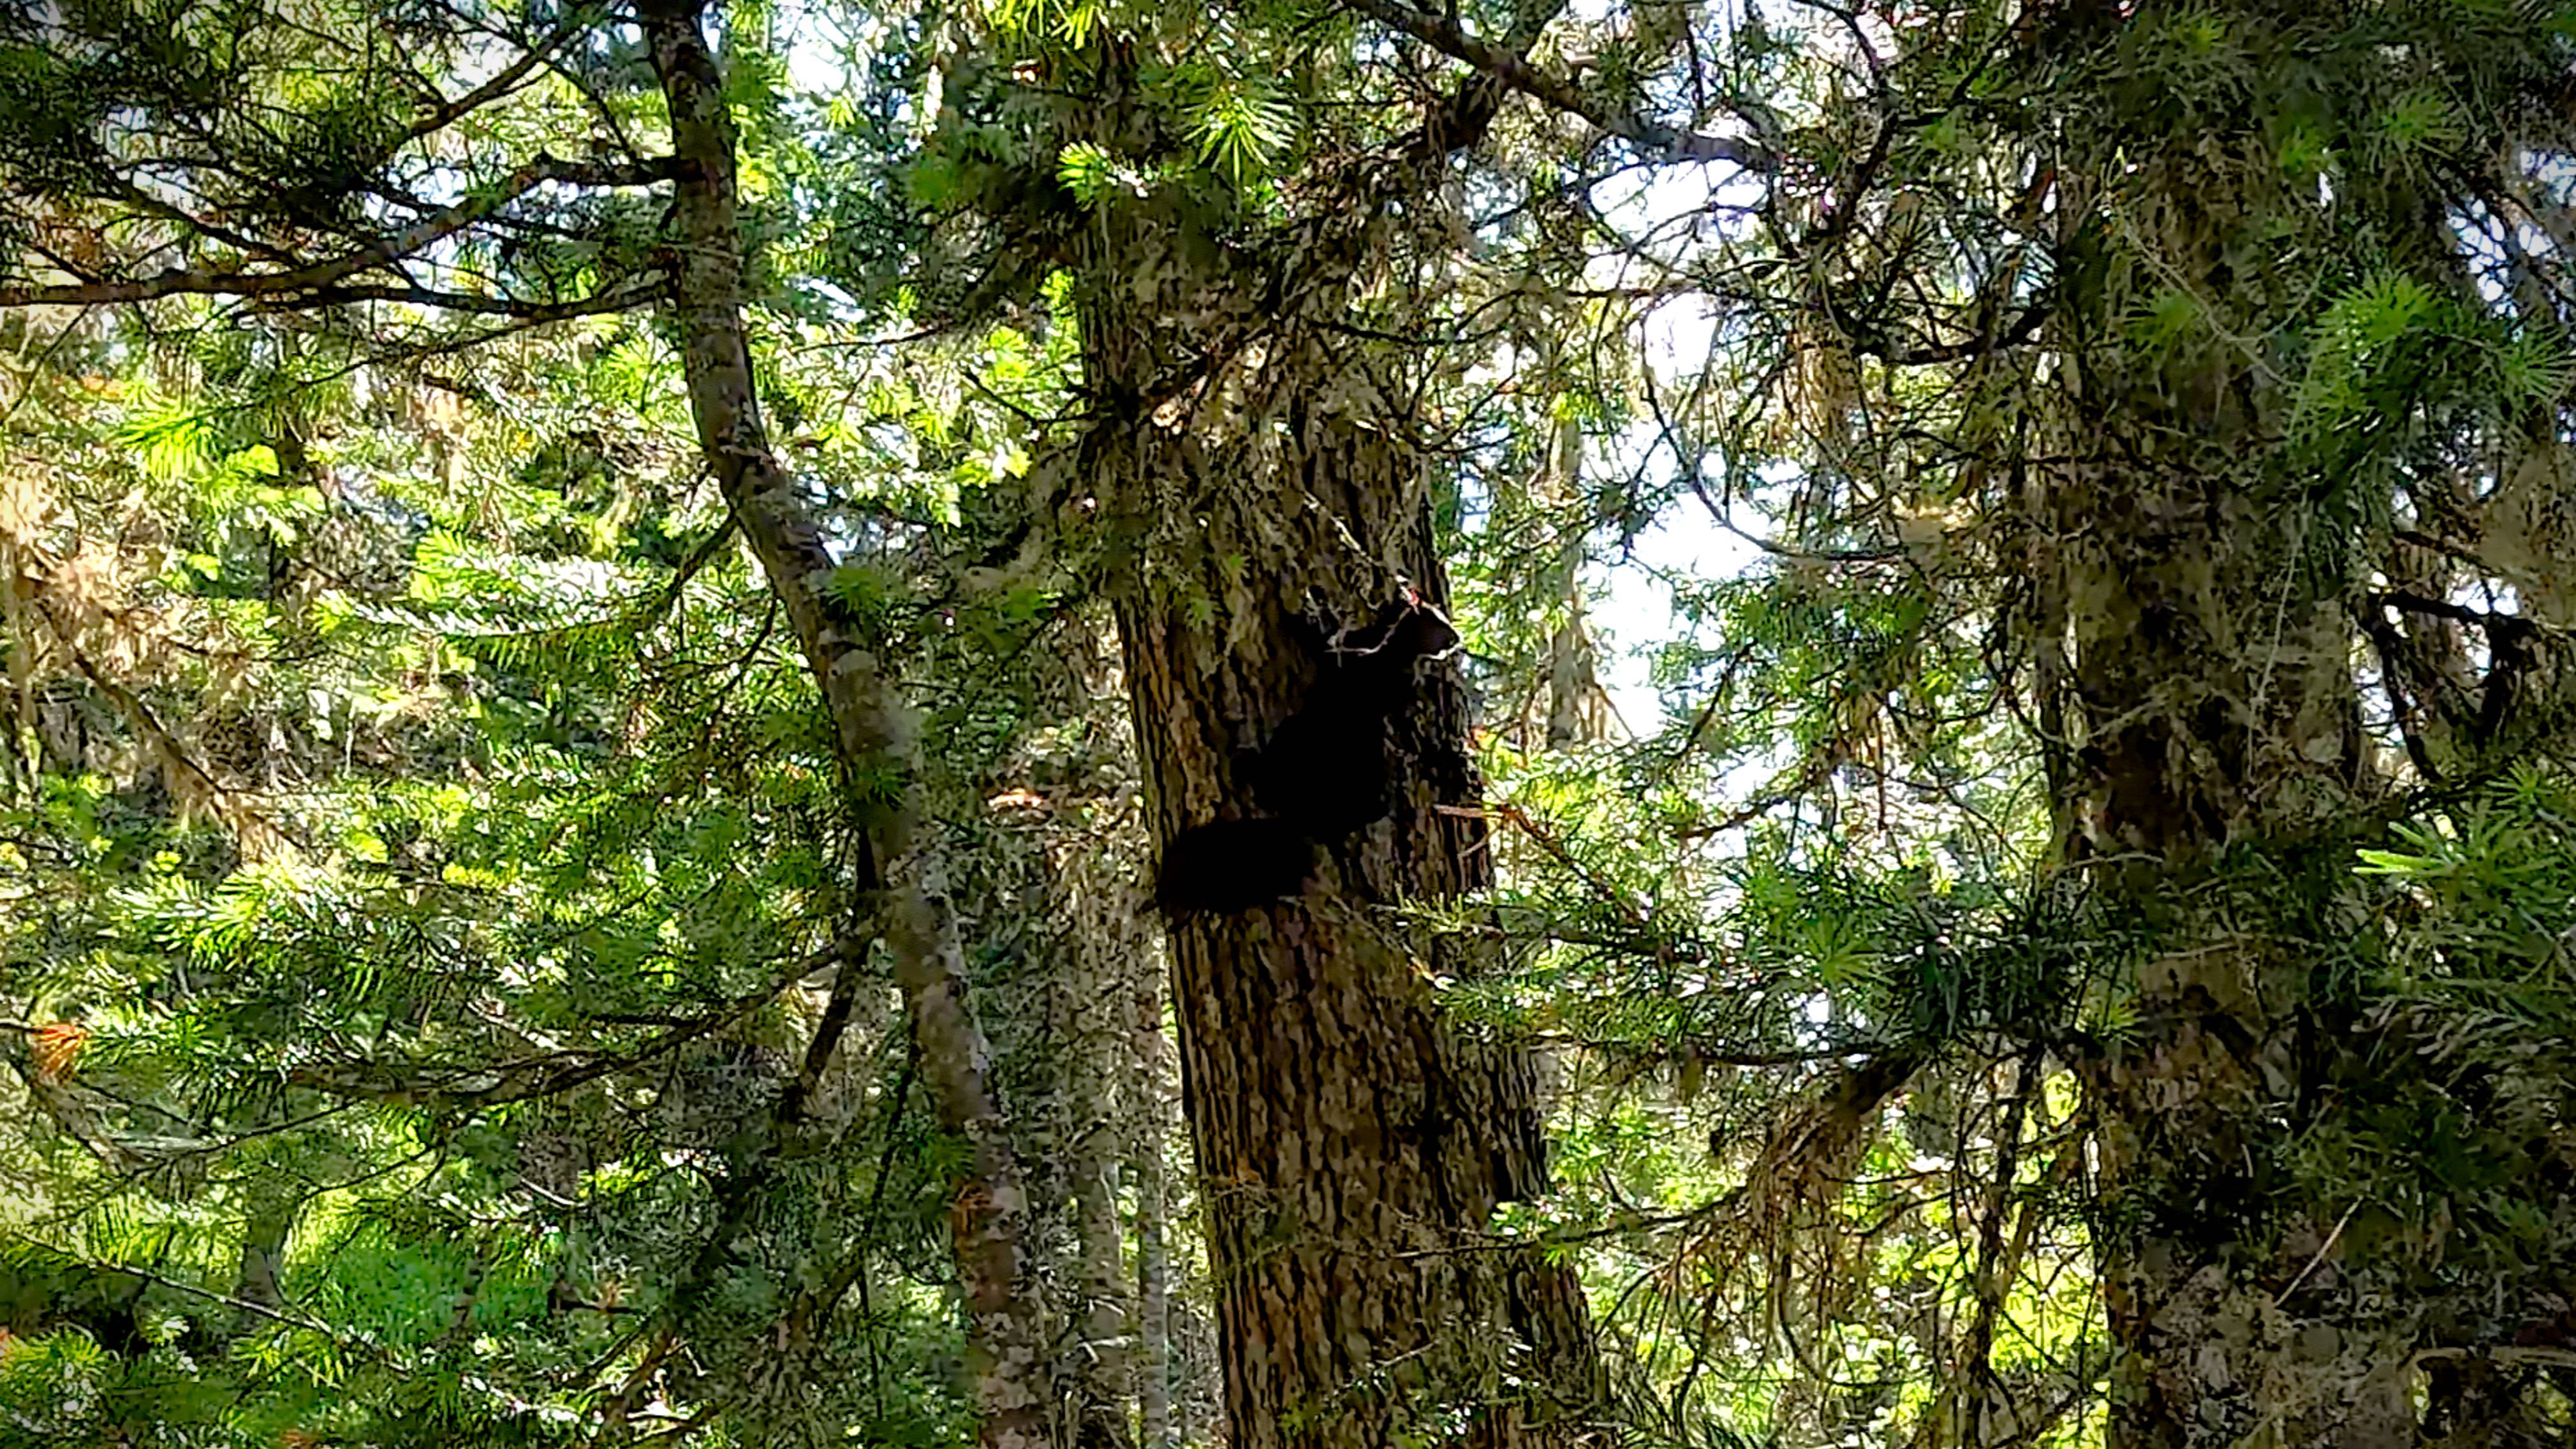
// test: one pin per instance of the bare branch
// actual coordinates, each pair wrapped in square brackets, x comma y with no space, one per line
[243,1305]
[543,1076]
[621,300]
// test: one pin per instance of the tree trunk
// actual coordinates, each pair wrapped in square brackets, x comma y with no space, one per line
[1005,1368]
[1575,702]
[263,1255]
[2204,665]
[1246,456]
[1102,1371]
[1108,947]
[1350,1146]
[1148,1111]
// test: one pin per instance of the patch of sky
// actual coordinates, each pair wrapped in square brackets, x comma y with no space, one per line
[1675,214]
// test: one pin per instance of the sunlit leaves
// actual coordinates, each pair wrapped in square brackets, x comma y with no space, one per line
[169,441]
[1071,21]
[1240,124]
[1088,171]
[55,1048]
[2389,354]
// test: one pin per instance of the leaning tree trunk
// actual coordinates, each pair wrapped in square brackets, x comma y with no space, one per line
[1005,1366]
[1351,1147]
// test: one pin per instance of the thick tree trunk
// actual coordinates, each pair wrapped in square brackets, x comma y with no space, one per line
[2227,1308]
[1350,1146]
[2204,666]
[1005,1367]
[1247,457]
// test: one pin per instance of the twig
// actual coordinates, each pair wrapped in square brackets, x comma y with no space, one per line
[244,1305]
[2320,1256]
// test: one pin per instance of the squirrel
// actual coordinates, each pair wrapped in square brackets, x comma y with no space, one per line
[1324,775]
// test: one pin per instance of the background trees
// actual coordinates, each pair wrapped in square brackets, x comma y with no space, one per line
[607,607]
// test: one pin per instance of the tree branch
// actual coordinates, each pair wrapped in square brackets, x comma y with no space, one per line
[545,1076]
[429,231]
[243,1305]
[621,300]
[2023,328]
[440,116]
[1443,33]
[1004,1359]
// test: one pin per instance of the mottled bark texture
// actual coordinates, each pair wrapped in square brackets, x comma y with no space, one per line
[2216,568]
[1577,707]
[2201,655]
[1005,1368]
[1149,1106]
[1106,944]
[1249,456]
[2212,705]
[1351,1147]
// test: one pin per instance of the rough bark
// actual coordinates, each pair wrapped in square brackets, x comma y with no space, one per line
[1005,1368]
[1246,456]
[1350,1146]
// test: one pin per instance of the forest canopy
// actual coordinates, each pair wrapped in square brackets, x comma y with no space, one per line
[1320,723]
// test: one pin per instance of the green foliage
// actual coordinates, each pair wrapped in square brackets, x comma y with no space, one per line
[417,814]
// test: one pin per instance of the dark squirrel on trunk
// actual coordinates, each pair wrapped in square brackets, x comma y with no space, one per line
[1327,772]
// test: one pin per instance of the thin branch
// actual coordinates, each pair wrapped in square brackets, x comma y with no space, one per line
[526,1079]
[204,281]
[2023,328]
[151,205]
[622,300]
[1667,951]
[242,1305]
[447,112]
[2457,552]
[2319,1256]
[698,559]
[1444,34]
